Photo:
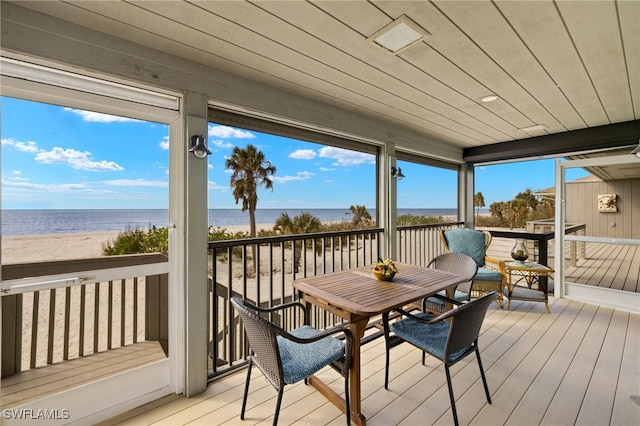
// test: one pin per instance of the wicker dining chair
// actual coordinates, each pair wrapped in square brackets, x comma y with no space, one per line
[492,273]
[457,263]
[286,357]
[448,337]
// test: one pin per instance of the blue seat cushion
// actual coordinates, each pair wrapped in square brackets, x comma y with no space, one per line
[467,241]
[488,274]
[300,360]
[430,338]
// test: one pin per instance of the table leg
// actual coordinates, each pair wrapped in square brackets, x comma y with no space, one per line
[358,328]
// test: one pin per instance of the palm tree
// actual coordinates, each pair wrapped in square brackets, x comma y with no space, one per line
[478,201]
[304,223]
[360,215]
[250,170]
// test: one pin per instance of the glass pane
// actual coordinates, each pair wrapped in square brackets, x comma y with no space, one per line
[76,179]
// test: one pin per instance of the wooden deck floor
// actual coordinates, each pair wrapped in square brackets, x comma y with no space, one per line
[605,265]
[28,385]
[580,364]
[608,265]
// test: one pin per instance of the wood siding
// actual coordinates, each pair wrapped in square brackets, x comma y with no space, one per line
[582,207]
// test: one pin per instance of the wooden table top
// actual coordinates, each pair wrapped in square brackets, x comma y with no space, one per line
[359,292]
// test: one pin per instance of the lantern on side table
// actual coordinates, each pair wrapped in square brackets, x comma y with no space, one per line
[519,252]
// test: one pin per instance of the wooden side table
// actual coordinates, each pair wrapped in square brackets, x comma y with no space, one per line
[533,275]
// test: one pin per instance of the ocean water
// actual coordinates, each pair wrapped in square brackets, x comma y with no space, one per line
[34,222]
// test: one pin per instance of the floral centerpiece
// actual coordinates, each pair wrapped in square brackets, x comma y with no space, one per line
[384,270]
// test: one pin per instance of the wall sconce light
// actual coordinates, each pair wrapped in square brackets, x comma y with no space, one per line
[397,173]
[199,146]
[636,151]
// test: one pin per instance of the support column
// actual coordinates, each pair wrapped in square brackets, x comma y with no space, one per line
[195,212]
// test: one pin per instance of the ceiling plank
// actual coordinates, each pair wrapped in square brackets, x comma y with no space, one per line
[553,48]
[629,14]
[594,28]
[334,43]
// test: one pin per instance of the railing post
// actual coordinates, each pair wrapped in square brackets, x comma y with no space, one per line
[11,334]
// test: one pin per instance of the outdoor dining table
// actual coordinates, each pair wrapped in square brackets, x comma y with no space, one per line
[357,296]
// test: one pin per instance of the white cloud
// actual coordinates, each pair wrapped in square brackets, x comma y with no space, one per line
[326,169]
[76,159]
[137,182]
[212,185]
[222,144]
[50,187]
[303,154]
[345,157]
[226,132]
[164,143]
[21,146]
[97,117]
[289,178]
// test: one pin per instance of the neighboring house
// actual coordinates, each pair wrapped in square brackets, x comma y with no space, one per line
[609,208]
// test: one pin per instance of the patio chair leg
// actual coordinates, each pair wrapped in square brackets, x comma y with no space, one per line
[385,320]
[275,418]
[346,399]
[484,379]
[451,397]
[246,388]
[386,371]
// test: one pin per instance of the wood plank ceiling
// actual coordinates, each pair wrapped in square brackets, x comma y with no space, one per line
[564,65]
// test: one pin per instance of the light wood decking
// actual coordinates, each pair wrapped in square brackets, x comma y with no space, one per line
[608,265]
[26,386]
[605,265]
[580,364]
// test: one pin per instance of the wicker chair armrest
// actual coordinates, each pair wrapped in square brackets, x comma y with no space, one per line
[283,307]
[441,297]
[439,318]
[496,264]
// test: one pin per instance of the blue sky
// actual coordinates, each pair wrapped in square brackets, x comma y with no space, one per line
[63,158]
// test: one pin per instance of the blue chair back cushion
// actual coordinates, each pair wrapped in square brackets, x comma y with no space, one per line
[467,241]
[299,360]
[431,338]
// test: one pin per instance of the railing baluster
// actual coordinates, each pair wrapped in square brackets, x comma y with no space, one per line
[81,333]
[123,312]
[52,325]
[67,318]
[34,329]
[96,317]
[110,316]
[135,310]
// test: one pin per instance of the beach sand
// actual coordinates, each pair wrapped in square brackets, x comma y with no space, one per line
[37,248]
[46,247]
[40,248]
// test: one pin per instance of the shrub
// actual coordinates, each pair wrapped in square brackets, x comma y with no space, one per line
[409,219]
[132,241]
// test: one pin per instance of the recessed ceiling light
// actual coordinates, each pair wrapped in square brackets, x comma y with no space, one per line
[489,98]
[534,128]
[399,35]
